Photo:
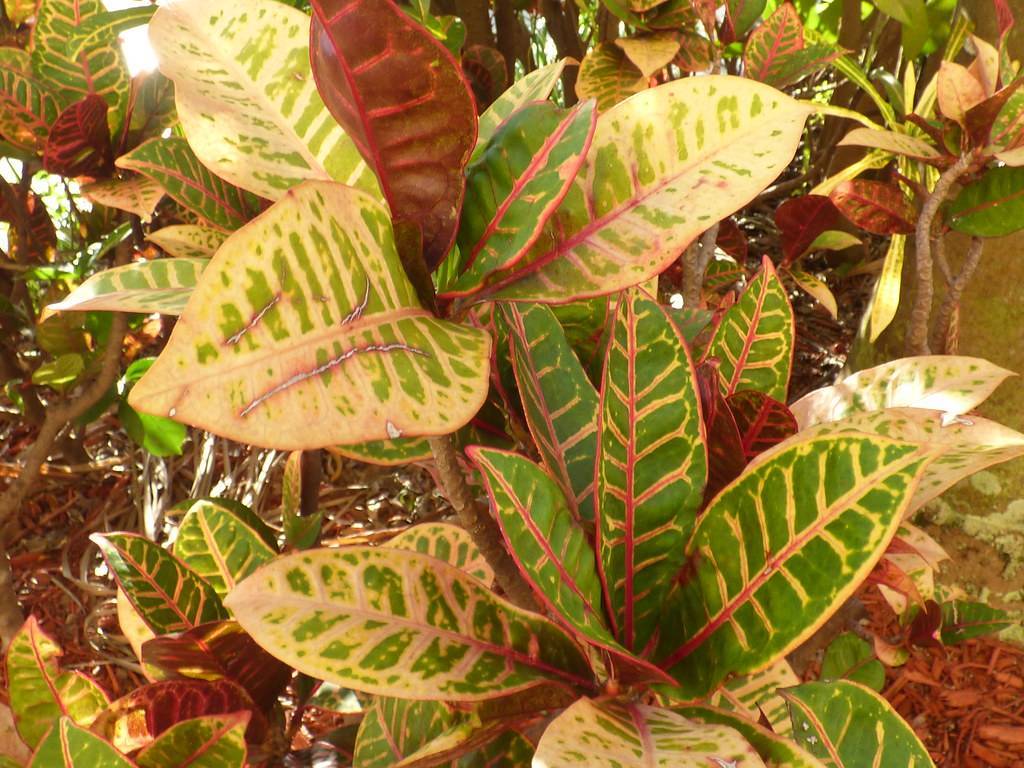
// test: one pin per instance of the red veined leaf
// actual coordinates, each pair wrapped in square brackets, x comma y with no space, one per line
[725,449]
[695,53]
[801,220]
[27,107]
[485,69]
[79,141]
[740,16]
[732,240]
[980,119]
[762,421]
[220,649]
[876,206]
[776,53]
[202,742]
[401,97]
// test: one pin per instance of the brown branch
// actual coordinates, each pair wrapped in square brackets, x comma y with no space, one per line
[512,37]
[475,14]
[695,263]
[920,314]
[478,522]
[563,26]
[953,295]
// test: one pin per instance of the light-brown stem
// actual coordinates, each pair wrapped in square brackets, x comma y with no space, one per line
[956,289]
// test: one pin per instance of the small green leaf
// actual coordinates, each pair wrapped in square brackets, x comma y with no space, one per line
[159,435]
[848,657]
[992,206]
[963,620]
[60,374]
[300,531]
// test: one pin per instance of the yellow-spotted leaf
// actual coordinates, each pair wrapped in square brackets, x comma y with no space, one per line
[161,285]
[608,76]
[40,693]
[815,288]
[387,453]
[890,141]
[169,596]
[445,542]
[398,623]
[69,746]
[774,749]
[246,97]
[395,728]
[886,298]
[188,240]
[215,741]
[135,194]
[552,551]
[218,546]
[779,550]
[535,86]
[664,166]
[27,107]
[611,734]
[305,317]
[757,693]
[652,465]
[848,726]
[559,402]
[947,383]
[754,341]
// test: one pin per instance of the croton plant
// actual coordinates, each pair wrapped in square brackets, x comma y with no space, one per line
[375,269]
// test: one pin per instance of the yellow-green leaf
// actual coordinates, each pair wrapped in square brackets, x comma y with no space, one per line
[886,298]
[608,75]
[305,316]
[214,741]
[445,542]
[135,194]
[188,240]
[70,746]
[161,285]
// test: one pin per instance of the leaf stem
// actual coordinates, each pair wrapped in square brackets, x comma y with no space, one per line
[940,331]
[478,522]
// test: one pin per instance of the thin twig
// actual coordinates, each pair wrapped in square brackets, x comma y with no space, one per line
[956,290]
[917,333]
[478,522]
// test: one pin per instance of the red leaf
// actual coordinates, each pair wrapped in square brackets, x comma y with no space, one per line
[801,220]
[979,119]
[891,575]
[224,649]
[79,141]
[761,420]
[402,98]
[485,70]
[40,235]
[725,449]
[732,240]
[1004,17]
[875,206]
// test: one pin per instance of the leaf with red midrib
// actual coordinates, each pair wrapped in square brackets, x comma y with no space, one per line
[403,100]
[79,141]
[801,220]
[762,421]
[875,206]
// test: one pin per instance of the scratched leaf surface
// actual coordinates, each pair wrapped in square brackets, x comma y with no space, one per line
[70,746]
[40,692]
[851,725]
[218,546]
[161,285]
[515,185]
[950,383]
[559,402]
[305,316]
[168,595]
[215,741]
[754,341]
[664,166]
[446,542]
[403,100]
[188,240]
[652,465]
[27,108]
[779,550]
[551,549]
[399,623]
[246,97]
[611,734]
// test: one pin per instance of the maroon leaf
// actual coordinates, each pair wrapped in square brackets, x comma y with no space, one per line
[886,572]
[979,119]
[732,240]
[40,235]
[400,95]
[924,629]
[79,141]
[485,69]
[875,206]
[801,220]
[1004,17]
[761,420]
[220,649]
[725,449]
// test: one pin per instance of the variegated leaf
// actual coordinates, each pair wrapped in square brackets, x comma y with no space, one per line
[445,542]
[848,725]
[387,453]
[246,97]
[515,185]
[560,403]
[652,465]
[472,742]
[777,54]
[305,316]
[168,595]
[612,734]
[876,206]
[393,622]
[947,383]
[754,341]
[536,86]
[70,746]
[552,551]
[135,194]
[664,165]
[79,140]
[886,298]
[402,98]
[816,288]
[608,76]
[27,108]
[188,240]
[757,693]
[653,52]
[890,141]
[762,422]
[218,546]
[161,285]
[100,28]
[775,750]
[40,693]
[172,164]
[779,550]
[215,741]
[99,70]
[132,626]
[394,728]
